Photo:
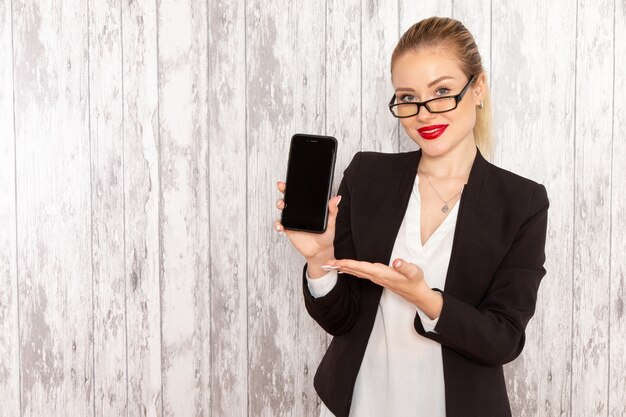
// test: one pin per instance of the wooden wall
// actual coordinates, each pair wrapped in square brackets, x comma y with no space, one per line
[140,144]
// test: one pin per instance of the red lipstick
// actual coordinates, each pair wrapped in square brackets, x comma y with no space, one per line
[432,132]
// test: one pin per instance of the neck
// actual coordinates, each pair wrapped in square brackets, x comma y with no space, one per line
[456,163]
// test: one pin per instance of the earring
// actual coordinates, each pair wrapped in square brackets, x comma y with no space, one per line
[480,106]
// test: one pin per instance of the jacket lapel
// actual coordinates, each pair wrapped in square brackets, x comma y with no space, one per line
[475,234]
[475,243]
[387,220]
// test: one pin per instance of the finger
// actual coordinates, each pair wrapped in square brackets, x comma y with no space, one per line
[356,265]
[356,273]
[278,226]
[333,204]
[333,209]
[362,269]
[280,204]
[407,269]
[282,186]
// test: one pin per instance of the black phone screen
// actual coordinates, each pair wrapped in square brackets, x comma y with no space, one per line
[309,182]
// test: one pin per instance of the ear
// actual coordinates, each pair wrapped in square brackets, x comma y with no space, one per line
[479,89]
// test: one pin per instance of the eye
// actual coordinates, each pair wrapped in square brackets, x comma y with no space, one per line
[406,98]
[442,91]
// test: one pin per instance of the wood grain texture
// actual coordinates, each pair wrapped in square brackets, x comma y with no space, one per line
[377,40]
[9,326]
[139,271]
[616,401]
[141,216]
[592,212]
[183,145]
[107,208]
[53,207]
[344,105]
[228,208]
[285,94]
[532,91]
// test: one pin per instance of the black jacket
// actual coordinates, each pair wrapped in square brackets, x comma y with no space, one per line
[491,286]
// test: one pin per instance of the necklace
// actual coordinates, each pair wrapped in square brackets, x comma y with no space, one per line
[445,207]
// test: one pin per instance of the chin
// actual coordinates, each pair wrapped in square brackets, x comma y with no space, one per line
[435,147]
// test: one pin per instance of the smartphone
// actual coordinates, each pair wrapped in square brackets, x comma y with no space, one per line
[309,182]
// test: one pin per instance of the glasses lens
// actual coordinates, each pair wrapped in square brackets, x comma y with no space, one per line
[404,110]
[442,104]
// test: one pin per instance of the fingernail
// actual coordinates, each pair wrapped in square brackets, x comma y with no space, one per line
[277,202]
[338,200]
[399,264]
[277,227]
[329,267]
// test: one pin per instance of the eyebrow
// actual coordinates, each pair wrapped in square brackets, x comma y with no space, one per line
[445,77]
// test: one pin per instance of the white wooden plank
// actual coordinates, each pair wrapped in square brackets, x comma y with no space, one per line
[107,184]
[533,103]
[285,95]
[227,208]
[184,219]
[592,191]
[343,81]
[53,207]
[141,214]
[379,21]
[9,331]
[617,317]
[411,12]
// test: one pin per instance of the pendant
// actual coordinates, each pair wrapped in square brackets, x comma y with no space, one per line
[445,208]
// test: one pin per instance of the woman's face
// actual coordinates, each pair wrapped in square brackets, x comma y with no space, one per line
[427,74]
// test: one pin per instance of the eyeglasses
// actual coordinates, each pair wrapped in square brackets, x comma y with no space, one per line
[434,105]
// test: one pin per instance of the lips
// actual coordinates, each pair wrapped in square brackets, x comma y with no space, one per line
[432,132]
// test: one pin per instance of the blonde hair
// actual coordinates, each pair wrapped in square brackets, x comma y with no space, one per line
[444,32]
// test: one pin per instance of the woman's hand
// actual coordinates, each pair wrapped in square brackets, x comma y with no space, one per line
[405,279]
[316,247]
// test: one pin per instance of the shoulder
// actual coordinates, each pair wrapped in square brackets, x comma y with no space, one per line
[368,162]
[519,193]
[374,158]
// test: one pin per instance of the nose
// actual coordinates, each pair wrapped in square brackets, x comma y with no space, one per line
[424,116]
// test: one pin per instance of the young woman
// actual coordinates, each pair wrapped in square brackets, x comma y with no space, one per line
[439,252]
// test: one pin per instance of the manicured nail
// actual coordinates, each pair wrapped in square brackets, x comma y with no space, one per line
[399,264]
[338,200]
[277,202]
[277,227]
[329,267]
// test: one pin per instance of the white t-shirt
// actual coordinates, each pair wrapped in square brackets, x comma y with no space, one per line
[402,372]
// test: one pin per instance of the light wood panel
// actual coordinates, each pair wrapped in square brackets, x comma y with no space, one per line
[141,214]
[53,207]
[592,212]
[285,94]
[343,113]
[140,274]
[616,401]
[9,331]
[532,91]
[228,208]
[107,208]
[184,233]
[377,40]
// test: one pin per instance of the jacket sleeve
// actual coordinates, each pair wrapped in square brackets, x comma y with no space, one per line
[493,333]
[336,312]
